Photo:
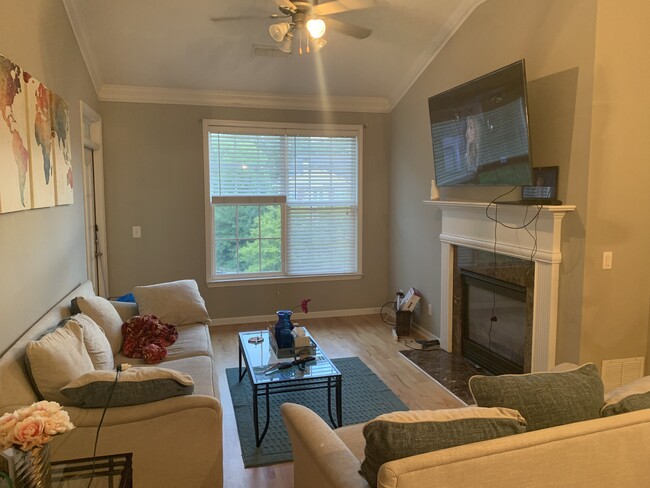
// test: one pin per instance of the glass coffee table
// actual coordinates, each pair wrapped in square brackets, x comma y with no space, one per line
[112,471]
[255,361]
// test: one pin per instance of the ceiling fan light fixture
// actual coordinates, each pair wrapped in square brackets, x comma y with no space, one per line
[279,31]
[316,28]
[318,44]
[285,45]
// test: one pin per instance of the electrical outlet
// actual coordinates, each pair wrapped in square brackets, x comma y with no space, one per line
[136,230]
[430,309]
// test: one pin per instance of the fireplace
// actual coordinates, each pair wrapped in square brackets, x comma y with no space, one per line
[465,224]
[493,298]
[493,323]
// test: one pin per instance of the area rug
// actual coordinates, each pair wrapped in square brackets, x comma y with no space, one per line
[450,370]
[364,397]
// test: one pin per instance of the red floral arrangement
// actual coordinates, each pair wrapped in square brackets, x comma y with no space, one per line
[303,305]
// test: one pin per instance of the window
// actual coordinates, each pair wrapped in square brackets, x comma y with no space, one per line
[282,200]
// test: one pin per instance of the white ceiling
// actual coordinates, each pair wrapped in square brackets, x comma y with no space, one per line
[170,51]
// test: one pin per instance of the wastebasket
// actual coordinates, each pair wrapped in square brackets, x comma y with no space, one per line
[402,323]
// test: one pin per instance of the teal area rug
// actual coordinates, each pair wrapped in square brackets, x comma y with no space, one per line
[364,397]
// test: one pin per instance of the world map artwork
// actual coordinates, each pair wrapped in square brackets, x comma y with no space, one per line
[15,193]
[35,154]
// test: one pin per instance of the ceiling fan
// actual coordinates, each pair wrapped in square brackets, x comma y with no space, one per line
[307,21]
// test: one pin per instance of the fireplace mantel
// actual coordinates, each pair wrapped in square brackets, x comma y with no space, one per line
[467,224]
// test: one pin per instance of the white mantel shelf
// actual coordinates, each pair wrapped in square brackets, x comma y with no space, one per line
[465,223]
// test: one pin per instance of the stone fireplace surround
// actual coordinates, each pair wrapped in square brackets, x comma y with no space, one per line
[466,224]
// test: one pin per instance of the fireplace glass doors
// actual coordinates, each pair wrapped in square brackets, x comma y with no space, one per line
[493,323]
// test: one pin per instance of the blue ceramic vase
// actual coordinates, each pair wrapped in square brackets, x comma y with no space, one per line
[283,329]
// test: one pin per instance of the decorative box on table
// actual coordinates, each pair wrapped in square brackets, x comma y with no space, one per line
[305,347]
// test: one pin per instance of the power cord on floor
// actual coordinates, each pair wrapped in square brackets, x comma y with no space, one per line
[119,369]
[425,345]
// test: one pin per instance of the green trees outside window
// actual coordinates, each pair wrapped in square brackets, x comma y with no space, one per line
[248,238]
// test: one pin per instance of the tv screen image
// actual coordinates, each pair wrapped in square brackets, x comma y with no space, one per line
[479,131]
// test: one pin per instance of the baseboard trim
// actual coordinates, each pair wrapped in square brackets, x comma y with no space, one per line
[296,317]
[423,332]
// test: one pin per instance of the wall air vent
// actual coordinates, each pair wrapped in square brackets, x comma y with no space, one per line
[619,372]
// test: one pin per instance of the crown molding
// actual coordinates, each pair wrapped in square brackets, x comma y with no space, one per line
[81,34]
[442,37]
[138,94]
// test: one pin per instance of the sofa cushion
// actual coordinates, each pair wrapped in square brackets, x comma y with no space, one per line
[544,399]
[104,314]
[176,302]
[193,340]
[402,434]
[97,345]
[56,359]
[134,386]
[627,398]
[201,369]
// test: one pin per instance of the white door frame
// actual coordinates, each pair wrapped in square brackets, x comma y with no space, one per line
[91,130]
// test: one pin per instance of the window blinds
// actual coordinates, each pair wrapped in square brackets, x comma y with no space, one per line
[316,170]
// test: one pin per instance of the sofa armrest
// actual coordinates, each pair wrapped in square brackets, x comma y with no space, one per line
[320,458]
[175,442]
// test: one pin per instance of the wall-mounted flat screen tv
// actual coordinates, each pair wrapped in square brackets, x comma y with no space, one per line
[479,131]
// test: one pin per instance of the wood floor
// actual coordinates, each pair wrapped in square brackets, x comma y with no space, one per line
[366,337]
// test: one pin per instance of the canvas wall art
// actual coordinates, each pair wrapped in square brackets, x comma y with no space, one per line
[61,144]
[40,138]
[35,152]
[15,191]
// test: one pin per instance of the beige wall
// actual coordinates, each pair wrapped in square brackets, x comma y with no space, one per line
[42,252]
[556,38]
[615,306]
[154,178]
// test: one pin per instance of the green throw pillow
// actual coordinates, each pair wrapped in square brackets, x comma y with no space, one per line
[402,434]
[628,398]
[134,386]
[544,399]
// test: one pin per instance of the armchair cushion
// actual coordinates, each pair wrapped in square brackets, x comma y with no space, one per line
[544,399]
[403,434]
[627,398]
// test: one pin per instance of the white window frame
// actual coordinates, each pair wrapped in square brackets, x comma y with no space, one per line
[231,125]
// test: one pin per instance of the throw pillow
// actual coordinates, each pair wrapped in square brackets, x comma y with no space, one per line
[134,386]
[402,434]
[97,345]
[104,314]
[628,398]
[56,359]
[177,302]
[544,399]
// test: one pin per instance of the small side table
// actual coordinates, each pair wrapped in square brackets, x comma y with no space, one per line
[113,471]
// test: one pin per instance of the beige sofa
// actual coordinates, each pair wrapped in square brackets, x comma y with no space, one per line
[605,452]
[175,442]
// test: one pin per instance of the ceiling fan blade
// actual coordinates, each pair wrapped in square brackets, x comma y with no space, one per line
[286,4]
[338,6]
[268,51]
[240,17]
[347,28]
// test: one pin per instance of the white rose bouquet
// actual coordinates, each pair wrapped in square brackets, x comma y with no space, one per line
[33,426]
